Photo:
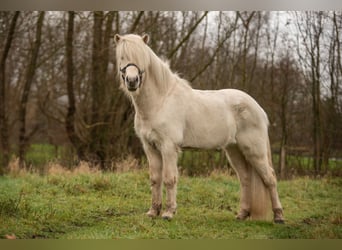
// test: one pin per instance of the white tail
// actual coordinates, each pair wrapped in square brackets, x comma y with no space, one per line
[261,207]
[260,198]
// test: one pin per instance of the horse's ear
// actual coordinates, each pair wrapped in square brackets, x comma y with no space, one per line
[117,38]
[145,38]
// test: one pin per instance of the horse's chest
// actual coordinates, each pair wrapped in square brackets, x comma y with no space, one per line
[146,131]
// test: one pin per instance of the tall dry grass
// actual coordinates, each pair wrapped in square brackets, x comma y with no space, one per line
[130,163]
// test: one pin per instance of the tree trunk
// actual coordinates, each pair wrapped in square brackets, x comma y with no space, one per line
[246,23]
[31,68]
[100,97]
[282,159]
[97,92]
[70,117]
[3,119]
[311,30]
[316,94]
[136,22]
[283,145]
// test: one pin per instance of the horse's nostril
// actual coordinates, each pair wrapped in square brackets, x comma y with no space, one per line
[132,80]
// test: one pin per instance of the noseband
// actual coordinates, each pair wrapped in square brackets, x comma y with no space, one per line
[140,72]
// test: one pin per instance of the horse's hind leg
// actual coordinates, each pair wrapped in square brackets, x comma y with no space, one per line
[155,168]
[242,169]
[269,178]
[257,153]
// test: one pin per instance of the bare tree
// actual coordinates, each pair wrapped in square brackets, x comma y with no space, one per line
[136,22]
[3,109]
[246,19]
[31,68]
[333,110]
[286,80]
[187,36]
[219,46]
[70,117]
[310,27]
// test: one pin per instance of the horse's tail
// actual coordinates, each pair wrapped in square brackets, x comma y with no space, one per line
[260,196]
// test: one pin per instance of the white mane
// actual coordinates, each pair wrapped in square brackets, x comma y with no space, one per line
[133,49]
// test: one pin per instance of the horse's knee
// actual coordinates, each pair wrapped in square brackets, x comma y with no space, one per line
[170,180]
[155,179]
[155,176]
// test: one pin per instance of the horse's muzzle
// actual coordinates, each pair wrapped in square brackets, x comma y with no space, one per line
[132,84]
[132,89]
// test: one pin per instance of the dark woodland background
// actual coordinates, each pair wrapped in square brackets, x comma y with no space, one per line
[59,86]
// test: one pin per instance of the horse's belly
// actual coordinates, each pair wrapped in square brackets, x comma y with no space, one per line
[208,136]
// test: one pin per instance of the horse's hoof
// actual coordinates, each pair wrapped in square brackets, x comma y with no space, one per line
[243,215]
[278,216]
[152,213]
[168,218]
[239,218]
[279,221]
[167,215]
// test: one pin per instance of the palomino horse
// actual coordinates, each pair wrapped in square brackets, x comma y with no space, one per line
[169,115]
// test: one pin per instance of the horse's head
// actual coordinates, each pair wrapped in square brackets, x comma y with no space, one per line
[130,59]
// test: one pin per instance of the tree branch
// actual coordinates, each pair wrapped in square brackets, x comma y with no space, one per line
[174,50]
[136,22]
[220,44]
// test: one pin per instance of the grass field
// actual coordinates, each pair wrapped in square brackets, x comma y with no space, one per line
[86,205]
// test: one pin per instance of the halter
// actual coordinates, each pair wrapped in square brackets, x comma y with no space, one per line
[140,72]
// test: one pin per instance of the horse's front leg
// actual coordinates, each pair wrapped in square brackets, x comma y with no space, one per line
[155,168]
[170,178]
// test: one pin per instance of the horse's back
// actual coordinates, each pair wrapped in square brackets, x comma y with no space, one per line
[236,103]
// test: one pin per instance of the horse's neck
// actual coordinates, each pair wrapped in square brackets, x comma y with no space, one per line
[149,99]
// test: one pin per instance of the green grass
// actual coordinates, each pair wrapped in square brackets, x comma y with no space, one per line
[303,165]
[39,154]
[113,206]
[201,163]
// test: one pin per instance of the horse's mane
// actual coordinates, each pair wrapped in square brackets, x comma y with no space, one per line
[133,48]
